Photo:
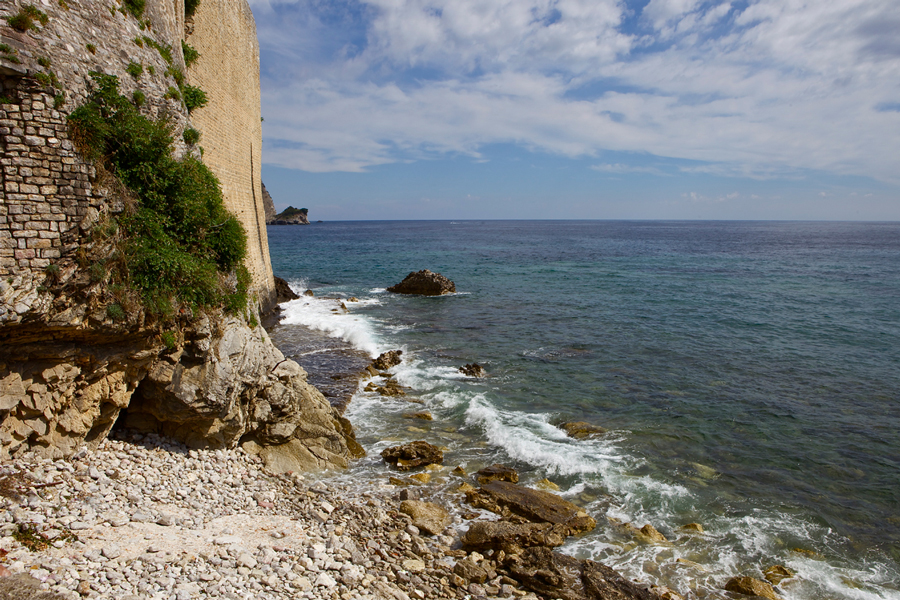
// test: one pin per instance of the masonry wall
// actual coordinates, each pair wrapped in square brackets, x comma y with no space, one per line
[224,32]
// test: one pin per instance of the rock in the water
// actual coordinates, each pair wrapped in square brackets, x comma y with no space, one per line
[650,532]
[283,291]
[581,429]
[292,216]
[546,484]
[386,360]
[427,516]
[777,573]
[512,537]
[751,587]
[412,455]
[424,283]
[497,473]
[537,506]
[555,575]
[472,370]
[424,416]
[692,528]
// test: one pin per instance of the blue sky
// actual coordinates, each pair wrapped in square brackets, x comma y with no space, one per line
[669,109]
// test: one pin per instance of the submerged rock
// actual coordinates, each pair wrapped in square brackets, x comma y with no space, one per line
[424,283]
[473,370]
[508,499]
[581,429]
[412,455]
[497,473]
[751,587]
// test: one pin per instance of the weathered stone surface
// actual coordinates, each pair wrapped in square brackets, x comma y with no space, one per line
[508,499]
[581,429]
[554,575]
[472,370]
[283,291]
[751,587]
[424,283]
[427,516]
[692,528]
[778,573]
[268,205]
[497,473]
[470,571]
[25,587]
[512,538]
[386,360]
[412,455]
[423,416]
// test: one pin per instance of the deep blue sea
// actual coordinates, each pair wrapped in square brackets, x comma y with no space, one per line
[748,374]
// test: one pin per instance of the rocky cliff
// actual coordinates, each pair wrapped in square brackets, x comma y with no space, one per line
[292,216]
[79,354]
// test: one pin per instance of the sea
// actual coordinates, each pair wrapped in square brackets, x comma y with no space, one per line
[747,376]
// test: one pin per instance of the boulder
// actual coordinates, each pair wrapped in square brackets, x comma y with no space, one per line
[553,575]
[427,516]
[469,571]
[283,291]
[751,587]
[424,416]
[412,455]
[424,283]
[512,537]
[386,360]
[581,429]
[692,528]
[497,473]
[777,573]
[508,499]
[472,370]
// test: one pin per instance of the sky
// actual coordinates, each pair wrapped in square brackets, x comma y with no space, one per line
[582,109]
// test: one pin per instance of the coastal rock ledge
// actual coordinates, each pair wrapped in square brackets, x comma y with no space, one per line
[424,283]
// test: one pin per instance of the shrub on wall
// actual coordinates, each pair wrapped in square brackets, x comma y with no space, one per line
[190,7]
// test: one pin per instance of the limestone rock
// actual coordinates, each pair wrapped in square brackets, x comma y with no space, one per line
[581,430]
[537,506]
[497,473]
[472,370]
[292,216]
[412,455]
[751,587]
[777,573]
[692,528]
[283,291]
[386,360]
[469,571]
[512,537]
[424,283]
[423,416]
[268,205]
[427,516]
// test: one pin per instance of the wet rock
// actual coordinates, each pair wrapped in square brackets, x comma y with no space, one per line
[537,506]
[424,283]
[777,573]
[692,528]
[665,593]
[751,587]
[546,484]
[581,429]
[386,360]
[512,538]
[459,471]
[421,477]
[283,291]
[650,532]
[473,370]
[424,416]
[497,473]
[427,516]
[558,576]
[412,455]
[309,293]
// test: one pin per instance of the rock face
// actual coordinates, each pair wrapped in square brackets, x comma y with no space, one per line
[424,283]
[292,216]
[268,205]
[283,291]
[386,360]
[508,499]
[512,538]
[412,455]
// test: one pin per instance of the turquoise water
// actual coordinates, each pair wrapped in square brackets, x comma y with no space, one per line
[748,374]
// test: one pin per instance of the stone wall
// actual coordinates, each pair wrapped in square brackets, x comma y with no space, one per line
[228,71]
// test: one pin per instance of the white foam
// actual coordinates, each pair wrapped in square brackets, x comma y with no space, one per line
[318,314]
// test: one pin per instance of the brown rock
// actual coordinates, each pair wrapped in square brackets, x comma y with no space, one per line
[581,429]
[424,416]
[546,484]
[777,573]
[386,360]
[473,370]
[421,477]
[424,283]
[537,506]
[650,532]
[465,488]
[512,537]
[283,291]
[459,471]
[414,454]
[470,571]
[309,293]
[751,587]
[24,586]
[692,528]
[427,516]
[497,473]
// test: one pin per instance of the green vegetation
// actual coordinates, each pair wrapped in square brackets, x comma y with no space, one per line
[59,101]
[178,243]
[190,7]
[173,93]
[151,69]
[135,69]
[9,53]
[91,48]
[24,19]
[28,535]
[5,100]
[168,339]
[135,7]
[176,74]
[139,41]
[164,50]
[190,54]
[44,62]
[138,97]
[190,136]
[115,312]
[64,4]
[194,97]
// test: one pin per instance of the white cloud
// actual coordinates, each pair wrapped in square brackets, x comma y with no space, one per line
[777,89]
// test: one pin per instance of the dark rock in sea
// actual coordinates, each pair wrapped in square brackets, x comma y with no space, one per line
[555,575]
[424,283]
[412,455]
[581,429]
[309,293]
[472,370]
[497,473]
[751,587]
[292,216]
[427,516]
[283,291]
[512,538]
[386,360]
[508,500]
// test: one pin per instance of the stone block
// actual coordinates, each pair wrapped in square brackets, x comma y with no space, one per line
[27,254]
[38,243]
